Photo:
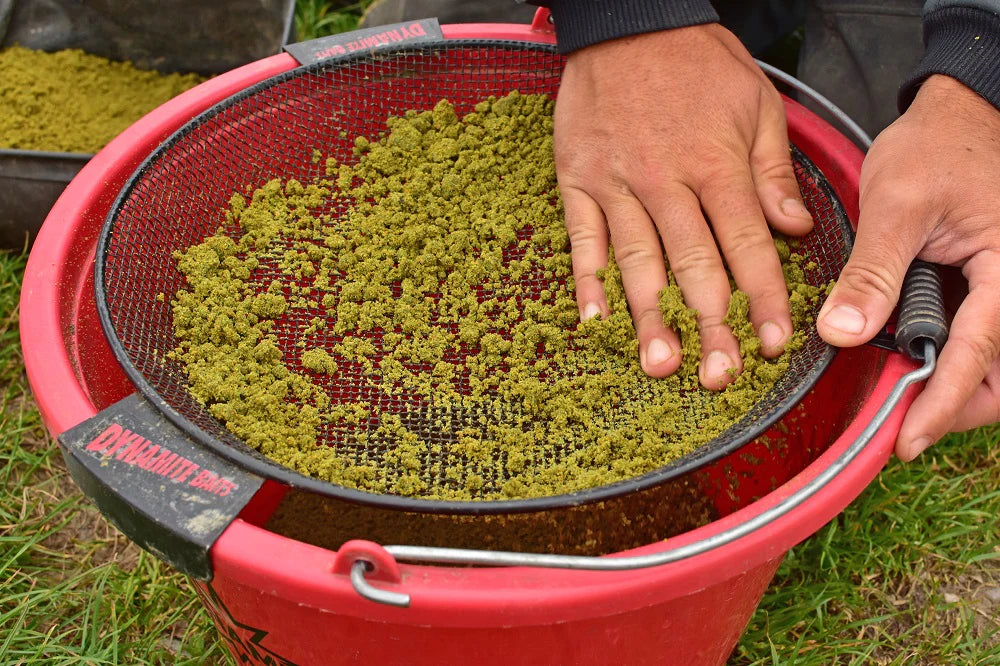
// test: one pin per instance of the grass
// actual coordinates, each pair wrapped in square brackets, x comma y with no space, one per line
[317,18]
[73,590]
[908,574]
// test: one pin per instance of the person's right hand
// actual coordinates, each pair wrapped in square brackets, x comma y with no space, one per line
[929,190]
[676,140]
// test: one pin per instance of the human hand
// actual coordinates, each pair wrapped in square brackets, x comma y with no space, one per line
[929,189]
[650,131]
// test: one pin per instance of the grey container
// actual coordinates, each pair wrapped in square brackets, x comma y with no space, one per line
[32,180]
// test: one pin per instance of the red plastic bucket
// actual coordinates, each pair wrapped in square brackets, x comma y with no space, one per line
[278,600]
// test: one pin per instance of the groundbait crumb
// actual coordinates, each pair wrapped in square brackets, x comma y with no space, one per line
[436,349]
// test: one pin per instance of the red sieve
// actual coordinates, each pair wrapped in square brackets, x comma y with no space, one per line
[174,200]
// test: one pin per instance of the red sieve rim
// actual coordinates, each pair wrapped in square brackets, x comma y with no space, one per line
[256,463]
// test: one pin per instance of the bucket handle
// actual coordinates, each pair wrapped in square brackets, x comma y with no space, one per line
[433,555]
[920,332]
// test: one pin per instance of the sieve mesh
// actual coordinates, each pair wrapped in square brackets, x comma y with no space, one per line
[176,199]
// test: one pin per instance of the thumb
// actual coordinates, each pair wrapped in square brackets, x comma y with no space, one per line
[868,288]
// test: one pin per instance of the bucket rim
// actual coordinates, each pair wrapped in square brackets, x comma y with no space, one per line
[746,429]
[54,294]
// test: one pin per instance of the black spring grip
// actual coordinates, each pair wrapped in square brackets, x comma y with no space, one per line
[921,311]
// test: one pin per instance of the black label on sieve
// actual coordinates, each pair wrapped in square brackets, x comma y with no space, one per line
[368,40]
[161,489]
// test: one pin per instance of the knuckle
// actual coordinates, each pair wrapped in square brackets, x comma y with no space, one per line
[578,160]
[650,318]
[584,233]
[982,346]
[587,281]
[769,297]
[618,188]
[773,169]
[567,161]
[770,96]
[694,259]
[712,324]
[904,195]
[719,173]
[715,333]
[636,254]
[872,279]
[651,168]
[573,174]
[749,242]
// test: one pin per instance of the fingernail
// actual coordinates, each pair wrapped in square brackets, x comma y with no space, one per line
[920,445]
[771,335]
[795,208]
[657,353]
[718,364]
[590,311]
[846,319]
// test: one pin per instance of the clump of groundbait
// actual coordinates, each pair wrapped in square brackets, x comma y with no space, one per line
[70,101]
[407,324]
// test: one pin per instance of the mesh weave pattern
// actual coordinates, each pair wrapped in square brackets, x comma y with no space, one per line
[270,131]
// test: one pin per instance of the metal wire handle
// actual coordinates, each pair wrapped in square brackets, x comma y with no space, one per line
[845,120]
[434,555]
[923,307]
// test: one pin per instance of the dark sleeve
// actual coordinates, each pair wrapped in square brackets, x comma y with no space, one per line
[962,40]
[580,23]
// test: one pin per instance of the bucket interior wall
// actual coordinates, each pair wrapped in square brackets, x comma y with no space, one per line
[284,128]
[205,166]
[709,493]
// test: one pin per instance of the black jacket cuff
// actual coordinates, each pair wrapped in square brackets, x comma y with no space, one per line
[580,23]
[963,43]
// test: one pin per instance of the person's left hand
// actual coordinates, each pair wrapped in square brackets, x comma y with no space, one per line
[929,188]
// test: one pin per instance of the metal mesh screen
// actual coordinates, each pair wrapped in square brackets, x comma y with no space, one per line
[177,197]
